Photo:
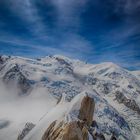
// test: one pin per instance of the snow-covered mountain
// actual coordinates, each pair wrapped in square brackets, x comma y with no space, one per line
[137,73]
[36,92]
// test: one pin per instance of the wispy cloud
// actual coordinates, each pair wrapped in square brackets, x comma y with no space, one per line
[69,11]
[27,11]
[90,30]
[73,46]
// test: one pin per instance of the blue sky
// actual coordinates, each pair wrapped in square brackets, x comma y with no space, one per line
[91,30]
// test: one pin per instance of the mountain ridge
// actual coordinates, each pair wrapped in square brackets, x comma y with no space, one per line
[116,92]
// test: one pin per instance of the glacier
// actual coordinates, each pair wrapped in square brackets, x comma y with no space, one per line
[39,91]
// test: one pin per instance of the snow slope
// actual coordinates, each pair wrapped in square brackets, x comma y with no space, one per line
[137,73]
[32,91]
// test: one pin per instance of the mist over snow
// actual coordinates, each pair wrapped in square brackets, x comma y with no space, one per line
[16,111]
[36,92]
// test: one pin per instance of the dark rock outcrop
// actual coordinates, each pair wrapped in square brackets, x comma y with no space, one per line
[4,123]
[14,75]
[28,127]
[1,60]
[130,103]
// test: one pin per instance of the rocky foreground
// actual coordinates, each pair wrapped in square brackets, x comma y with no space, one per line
[77,129]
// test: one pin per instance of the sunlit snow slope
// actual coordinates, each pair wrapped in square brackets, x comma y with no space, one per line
[39,91]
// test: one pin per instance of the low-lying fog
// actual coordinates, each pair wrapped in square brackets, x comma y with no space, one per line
[16,110]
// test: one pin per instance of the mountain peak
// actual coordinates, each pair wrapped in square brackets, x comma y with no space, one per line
[56,84]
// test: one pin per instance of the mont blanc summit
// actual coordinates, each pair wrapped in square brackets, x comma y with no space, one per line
[58,98]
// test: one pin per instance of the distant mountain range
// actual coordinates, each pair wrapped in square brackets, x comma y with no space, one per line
[57,98]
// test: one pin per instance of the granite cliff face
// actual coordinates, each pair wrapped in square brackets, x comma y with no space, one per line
[75,129]
[86,110]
